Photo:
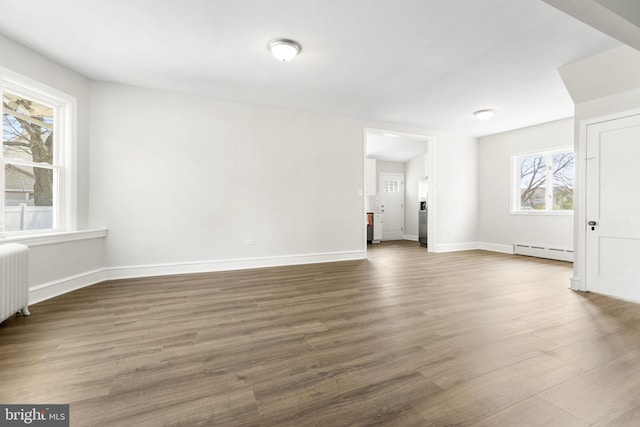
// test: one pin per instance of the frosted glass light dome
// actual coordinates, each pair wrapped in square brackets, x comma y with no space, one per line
[484,114]
[284,50]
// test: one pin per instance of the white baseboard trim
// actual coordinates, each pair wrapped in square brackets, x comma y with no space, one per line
[129,272]
[493,247]
[58,287]
[455,247]
[410,237]
[576,284]
[468,246]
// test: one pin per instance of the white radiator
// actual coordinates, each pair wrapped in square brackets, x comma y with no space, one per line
[543,252]
[14,283]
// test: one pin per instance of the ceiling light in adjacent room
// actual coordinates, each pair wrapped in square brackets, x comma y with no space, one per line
[484,114]
[284,50]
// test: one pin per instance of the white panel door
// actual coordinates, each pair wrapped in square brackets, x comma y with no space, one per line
[391,194]
[613,208]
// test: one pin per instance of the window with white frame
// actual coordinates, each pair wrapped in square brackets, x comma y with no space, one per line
[37,150]
[543,182]
[391,185]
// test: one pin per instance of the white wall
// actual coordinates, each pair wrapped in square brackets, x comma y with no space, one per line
[498,228]
[181,179]
[71,264]
[58,268]
[388,167]
[414,173]
[456,193]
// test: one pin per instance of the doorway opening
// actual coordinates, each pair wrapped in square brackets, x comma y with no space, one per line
[399,196]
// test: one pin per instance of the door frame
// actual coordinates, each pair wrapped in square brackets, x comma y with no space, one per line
[431,183]
[579,280]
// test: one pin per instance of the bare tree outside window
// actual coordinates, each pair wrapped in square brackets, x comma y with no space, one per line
[533,183]
[563,171]
[546,182]
[27,151]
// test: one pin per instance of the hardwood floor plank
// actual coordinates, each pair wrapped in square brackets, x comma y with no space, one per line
[482,396]
[532,412]
[602,394]
[404,338]
[484,359]
[594,352]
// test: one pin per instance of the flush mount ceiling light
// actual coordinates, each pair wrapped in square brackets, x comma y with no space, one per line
[484,114]
[284,50]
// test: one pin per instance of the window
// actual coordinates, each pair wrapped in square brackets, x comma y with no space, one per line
[391,185]
[543,182]
[36,157]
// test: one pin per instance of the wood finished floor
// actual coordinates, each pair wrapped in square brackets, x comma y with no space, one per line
[405,338]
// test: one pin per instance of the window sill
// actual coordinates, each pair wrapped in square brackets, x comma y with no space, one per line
[55,237]
[541,213]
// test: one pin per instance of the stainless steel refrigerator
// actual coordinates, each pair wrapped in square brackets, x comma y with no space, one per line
[422,224]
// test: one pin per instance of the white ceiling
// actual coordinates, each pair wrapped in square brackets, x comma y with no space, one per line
[618,18]
[422,63]
[394,147]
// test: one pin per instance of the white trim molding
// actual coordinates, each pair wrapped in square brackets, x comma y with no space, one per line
[494,247]
[455,247]
[59,287]
[64,165]
[576,284]
[52,238]
[410,237]
[135,271]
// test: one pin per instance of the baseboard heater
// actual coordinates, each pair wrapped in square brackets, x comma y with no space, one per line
[543,252]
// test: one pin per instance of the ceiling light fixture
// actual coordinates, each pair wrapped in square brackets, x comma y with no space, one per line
[484,114]
[284,49]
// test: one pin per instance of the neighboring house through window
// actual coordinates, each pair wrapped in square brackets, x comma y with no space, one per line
[37,157]
[543,182]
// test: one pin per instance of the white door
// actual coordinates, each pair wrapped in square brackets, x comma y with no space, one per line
[391,194]
[613,208]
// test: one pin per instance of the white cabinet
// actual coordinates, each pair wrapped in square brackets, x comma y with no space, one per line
[377,227]
[370,176]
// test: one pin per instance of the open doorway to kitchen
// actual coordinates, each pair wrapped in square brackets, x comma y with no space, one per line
[399,170]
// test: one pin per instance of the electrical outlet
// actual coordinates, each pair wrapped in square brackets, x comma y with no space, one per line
[248,242]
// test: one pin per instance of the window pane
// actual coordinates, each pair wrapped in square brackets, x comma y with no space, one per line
[563,169]
[27,129]
[28,198]
[391,186]
[533,177]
